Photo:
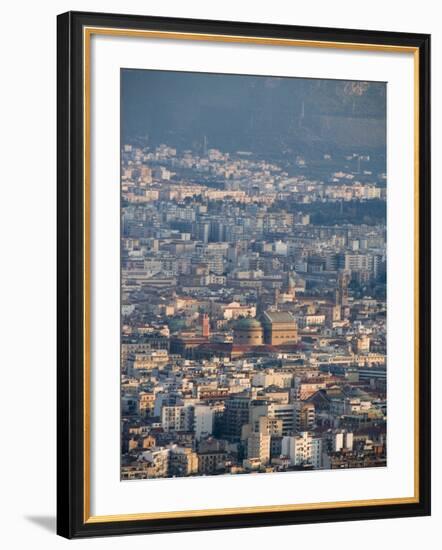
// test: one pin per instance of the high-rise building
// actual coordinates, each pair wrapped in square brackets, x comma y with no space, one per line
[304,416]
[342,440]
[236,414]
[258,446]
[303,449]
[203,421]
[285,413]
[177,418]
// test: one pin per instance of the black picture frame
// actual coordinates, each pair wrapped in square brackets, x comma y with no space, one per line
[71,520]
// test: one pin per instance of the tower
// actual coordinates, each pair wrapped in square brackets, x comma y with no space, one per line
[342,288]
[342,293]
[205,326]
[291,285]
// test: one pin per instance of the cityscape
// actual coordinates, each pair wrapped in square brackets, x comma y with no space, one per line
[253,274]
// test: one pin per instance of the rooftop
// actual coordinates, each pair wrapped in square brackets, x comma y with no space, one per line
[279,316]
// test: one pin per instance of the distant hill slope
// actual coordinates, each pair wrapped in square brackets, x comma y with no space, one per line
[251,112]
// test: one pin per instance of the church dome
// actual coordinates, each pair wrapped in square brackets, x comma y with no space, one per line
[247,324]
[248,332]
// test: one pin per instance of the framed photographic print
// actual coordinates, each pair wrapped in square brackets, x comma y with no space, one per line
[243,274]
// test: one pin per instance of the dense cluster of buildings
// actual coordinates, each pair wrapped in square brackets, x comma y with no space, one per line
[253,337]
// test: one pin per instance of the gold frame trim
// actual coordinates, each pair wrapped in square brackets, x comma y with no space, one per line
[87,34]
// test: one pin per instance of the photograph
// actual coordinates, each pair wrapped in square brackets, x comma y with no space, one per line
[243,274]
[253,274]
